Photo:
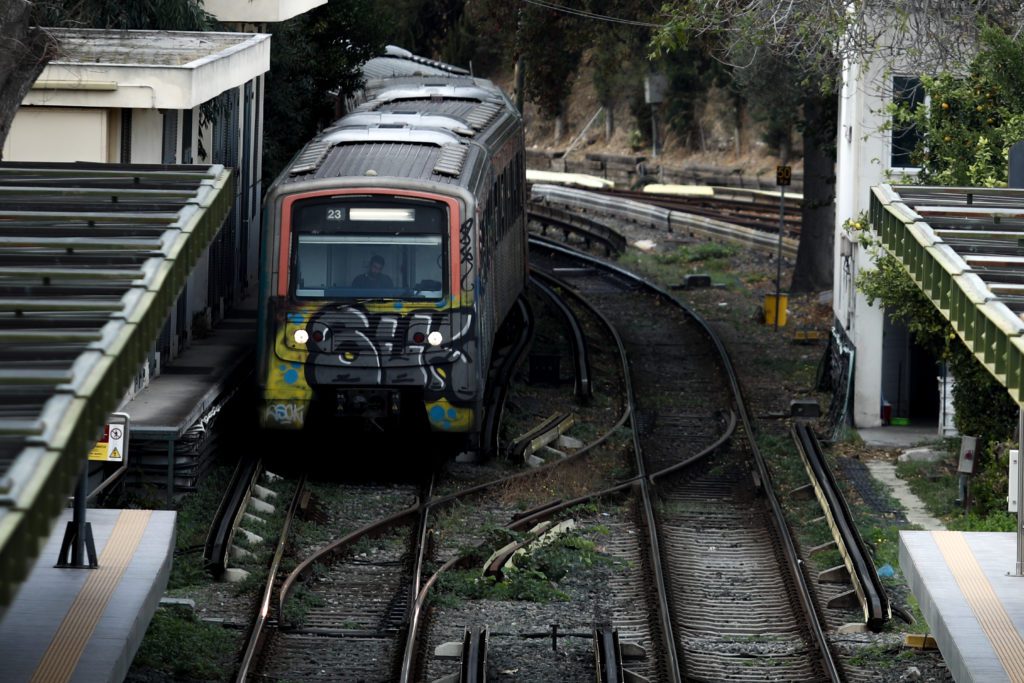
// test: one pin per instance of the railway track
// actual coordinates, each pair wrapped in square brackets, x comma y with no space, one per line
[641,209]
[739,606]
[690,525]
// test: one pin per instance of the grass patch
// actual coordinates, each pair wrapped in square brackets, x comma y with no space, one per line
[299,604]
[192,527]
[532,577]
[935,483]
[178,643]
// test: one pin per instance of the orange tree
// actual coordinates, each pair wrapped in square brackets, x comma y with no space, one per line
[973,118]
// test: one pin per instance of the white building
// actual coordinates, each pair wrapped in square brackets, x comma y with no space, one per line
[892,375]
[161,97]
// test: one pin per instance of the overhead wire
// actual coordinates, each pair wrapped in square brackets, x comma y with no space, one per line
[591,15]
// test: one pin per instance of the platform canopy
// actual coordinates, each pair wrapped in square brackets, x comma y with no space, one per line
[147,69]
[92,256]
[964,247]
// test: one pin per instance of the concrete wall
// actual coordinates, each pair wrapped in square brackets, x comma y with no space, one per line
[59,134]
[863,153]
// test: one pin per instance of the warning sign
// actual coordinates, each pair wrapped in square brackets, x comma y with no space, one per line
[968,449]
[111,446]
[783,175]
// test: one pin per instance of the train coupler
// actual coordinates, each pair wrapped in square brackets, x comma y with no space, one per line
[369,403]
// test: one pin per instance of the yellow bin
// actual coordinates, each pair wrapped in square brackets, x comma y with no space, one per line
[770,309]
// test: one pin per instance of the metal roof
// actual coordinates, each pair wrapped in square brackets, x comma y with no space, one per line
[964,247]
[92,256]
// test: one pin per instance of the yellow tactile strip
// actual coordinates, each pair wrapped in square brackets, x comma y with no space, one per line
[982,598]
[61,658]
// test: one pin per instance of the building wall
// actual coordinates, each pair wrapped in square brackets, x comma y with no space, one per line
[143,136]
[58,134]
[862,160]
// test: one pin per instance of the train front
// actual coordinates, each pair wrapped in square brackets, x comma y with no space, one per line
[363,311]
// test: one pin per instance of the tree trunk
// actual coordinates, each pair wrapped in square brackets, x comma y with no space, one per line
[520,80]
[24,51]
[609,121]
[813,272]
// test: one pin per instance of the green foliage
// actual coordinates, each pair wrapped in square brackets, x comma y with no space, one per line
[983,406]
[167,15]
[299,604]
[993,520]
[469,584]
[313,66]
[189,649]
[533,577]
[973,119]
[989,485]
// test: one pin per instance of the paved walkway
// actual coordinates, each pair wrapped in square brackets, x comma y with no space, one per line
[885,472]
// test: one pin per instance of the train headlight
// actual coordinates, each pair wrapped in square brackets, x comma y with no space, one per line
[434,338]
[301,336]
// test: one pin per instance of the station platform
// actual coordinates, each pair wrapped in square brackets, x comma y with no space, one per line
[974,605]
[196,379]
[172,420]
[85,625]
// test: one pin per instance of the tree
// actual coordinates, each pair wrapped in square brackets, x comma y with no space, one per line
[814,37]
[974,117]
[315,62]
[25,50]
[552,44]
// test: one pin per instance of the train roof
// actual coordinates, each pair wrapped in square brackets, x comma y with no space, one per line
[440,127]
[397,62]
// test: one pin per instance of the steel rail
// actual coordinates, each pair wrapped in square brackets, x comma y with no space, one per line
[657,217]
[588,228]
[580,350]
[415,611]
[673,662]
[870,592]
[545,511]
[254,644]
[778,516]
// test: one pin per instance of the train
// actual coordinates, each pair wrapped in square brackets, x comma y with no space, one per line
[393,248]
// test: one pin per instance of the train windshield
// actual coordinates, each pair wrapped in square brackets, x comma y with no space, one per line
[369,249]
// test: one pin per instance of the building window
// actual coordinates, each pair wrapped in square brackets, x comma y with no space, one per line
[907,93]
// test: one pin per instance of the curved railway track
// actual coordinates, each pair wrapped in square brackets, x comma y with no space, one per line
[740,607]
[710,588]
[758,210]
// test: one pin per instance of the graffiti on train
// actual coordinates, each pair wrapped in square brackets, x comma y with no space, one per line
[389,346]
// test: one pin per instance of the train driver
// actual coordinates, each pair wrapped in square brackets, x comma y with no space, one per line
[374,278]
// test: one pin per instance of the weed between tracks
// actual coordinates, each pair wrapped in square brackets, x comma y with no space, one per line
[533,575]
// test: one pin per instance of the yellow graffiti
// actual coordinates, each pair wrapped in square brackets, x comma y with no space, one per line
[445,417]
[392,306]
[286,374]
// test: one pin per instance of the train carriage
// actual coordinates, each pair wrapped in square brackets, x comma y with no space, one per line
[394,246]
